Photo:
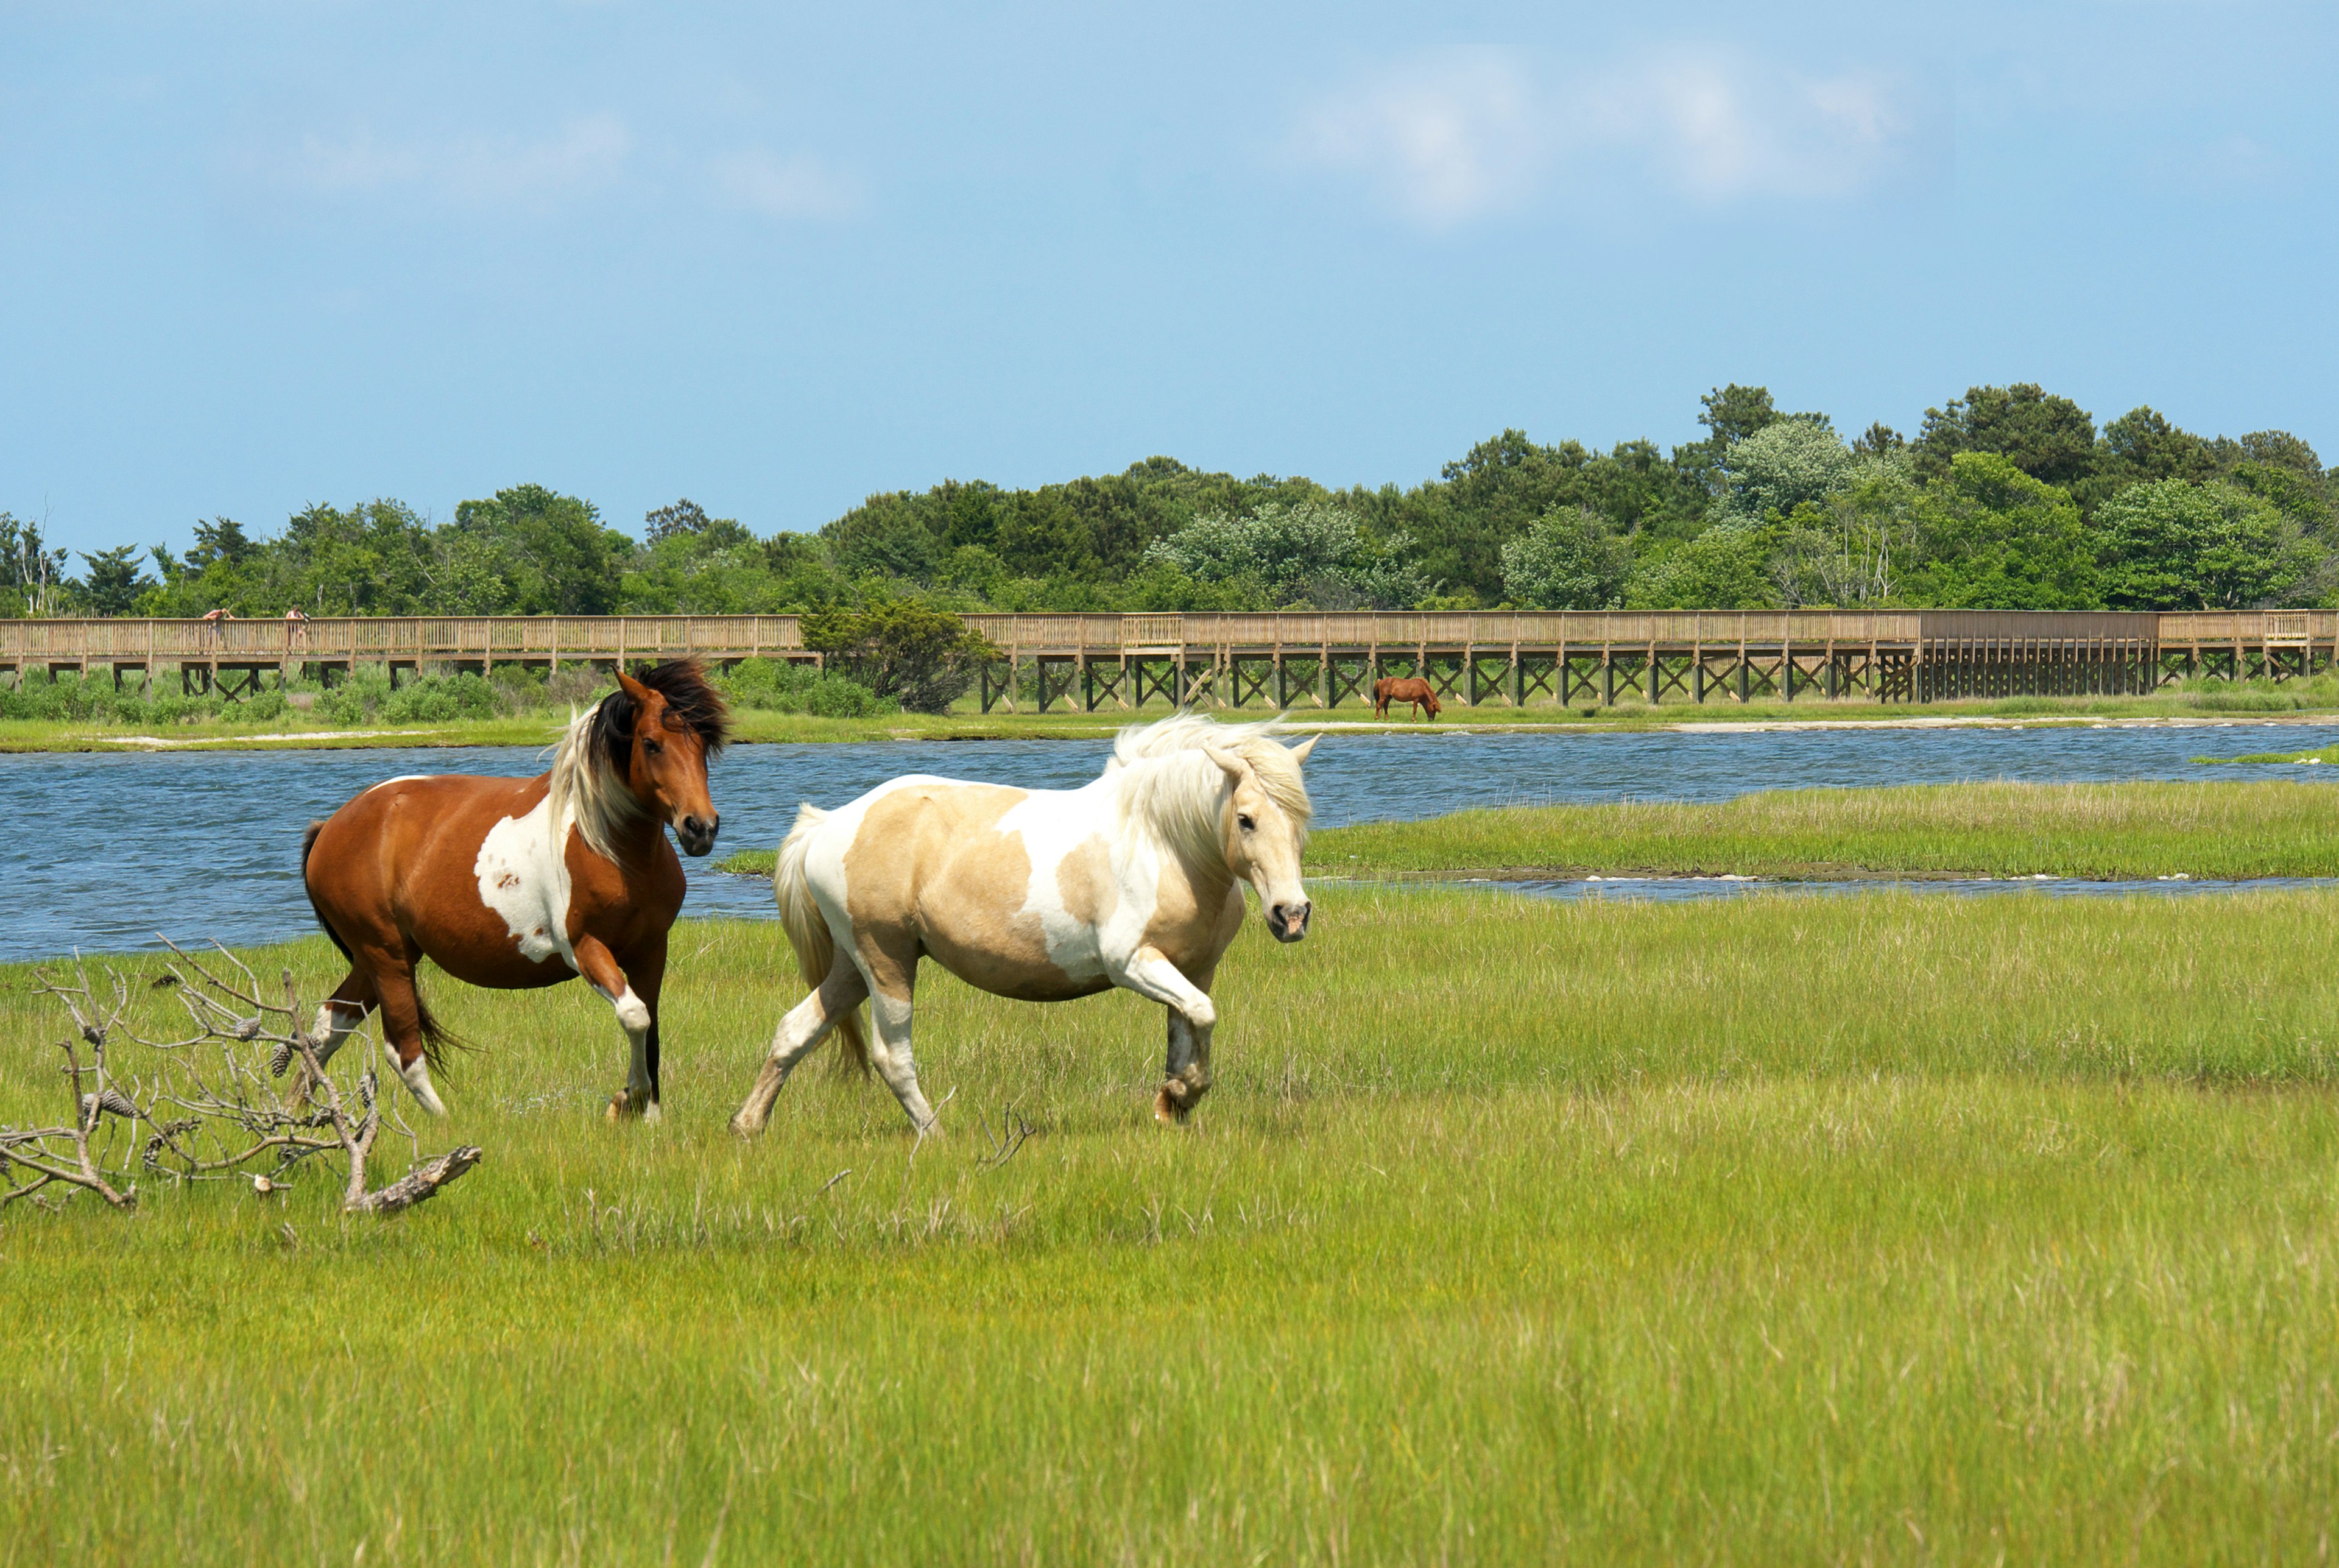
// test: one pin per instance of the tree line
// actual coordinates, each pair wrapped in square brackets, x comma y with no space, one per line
[2007,497]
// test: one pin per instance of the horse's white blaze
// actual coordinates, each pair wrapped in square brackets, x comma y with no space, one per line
[524,877]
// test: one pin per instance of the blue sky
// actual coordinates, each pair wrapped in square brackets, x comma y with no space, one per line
[775,257]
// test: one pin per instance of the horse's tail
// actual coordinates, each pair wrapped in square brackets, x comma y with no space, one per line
[308,844]
[807,928]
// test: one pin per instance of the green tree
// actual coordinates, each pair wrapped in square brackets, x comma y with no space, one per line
[2175,545]
[552,548]
[114,582]
[1308,554]
[1856,546]
[921,657]
[2050,437]
[1726,567]
[1992,537]
[221,539]
[682,518]
[31,573]
[1568,561]
[1781,466]
[1879,440]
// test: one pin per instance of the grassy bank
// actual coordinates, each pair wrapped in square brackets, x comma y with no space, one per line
[2094,831]
[1775,1230]
[226,724]
[2099,831]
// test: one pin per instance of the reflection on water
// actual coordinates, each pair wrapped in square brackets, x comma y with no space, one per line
[103,850]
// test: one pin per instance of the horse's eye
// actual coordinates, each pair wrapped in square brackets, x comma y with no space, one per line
[655,748]
[1244,824]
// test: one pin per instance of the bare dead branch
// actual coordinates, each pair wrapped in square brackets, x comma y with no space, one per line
[211,1101]
[1013,1130]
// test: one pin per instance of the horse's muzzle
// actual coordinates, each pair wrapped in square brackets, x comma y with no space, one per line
[1288,922]
[696,833]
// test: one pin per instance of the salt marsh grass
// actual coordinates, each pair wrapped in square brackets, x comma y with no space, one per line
[1777,1229]
[2112,831]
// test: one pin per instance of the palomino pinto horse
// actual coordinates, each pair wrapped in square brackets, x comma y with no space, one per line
[1407,689]
[1135,881]
[515,883]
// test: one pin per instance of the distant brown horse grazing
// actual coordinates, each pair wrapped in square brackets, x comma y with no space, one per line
[1408,689]
[515,883]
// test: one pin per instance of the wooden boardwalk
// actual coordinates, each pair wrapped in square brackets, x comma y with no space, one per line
[1096,662]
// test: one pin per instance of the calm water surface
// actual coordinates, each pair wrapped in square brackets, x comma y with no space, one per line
[104,852]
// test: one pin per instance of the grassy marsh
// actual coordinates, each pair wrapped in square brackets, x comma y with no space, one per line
[2122,831]
[2118,830]
[1785,1228]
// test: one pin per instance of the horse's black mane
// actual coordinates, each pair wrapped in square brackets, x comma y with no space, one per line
[697,705]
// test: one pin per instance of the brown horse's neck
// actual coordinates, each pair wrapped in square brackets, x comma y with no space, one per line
[638,839]
[635,835]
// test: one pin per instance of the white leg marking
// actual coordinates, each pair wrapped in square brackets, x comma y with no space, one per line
[805,1025]
[895,1065]
[329,1032]
[633,1018]
[418,1079]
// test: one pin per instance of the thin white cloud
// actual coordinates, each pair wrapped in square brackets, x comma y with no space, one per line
[1722,131]
[1441,145]
[785,186]
[1445,141]
[583,154]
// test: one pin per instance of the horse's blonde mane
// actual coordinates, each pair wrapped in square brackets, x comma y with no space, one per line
[586,782]
[1168,781]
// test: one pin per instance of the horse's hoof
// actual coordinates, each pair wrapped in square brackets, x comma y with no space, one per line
[1169,1109]
[744,1129]
[624,1107]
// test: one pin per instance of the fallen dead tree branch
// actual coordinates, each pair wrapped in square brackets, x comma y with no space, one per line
[212,1103]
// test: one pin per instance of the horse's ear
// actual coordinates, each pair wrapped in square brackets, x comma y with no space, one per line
[1234,765]
[633,689]
[1299,752]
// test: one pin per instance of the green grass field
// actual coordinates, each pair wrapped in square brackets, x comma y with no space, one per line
[1780,1230]
[2221,829]
[2216,829]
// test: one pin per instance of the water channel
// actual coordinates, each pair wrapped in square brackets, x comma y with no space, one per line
[104,850]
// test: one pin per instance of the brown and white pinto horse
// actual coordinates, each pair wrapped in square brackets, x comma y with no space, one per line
[1404,689]
[1135,880]
[515,883]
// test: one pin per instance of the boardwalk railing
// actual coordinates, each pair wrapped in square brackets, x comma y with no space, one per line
[1320,658]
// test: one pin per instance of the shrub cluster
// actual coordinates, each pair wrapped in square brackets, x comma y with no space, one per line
[779,687]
